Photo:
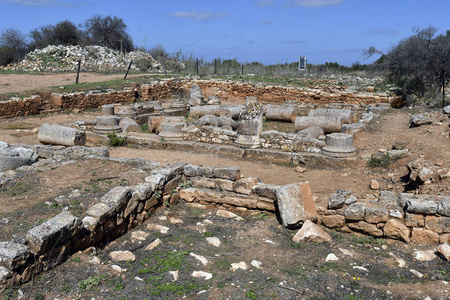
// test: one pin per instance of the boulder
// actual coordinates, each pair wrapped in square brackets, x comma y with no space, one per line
[419,120]
[310,232]
[397,230]
[129,125]
[13,158]
[444,249]
[13,255]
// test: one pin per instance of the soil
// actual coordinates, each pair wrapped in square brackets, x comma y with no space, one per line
[288,270]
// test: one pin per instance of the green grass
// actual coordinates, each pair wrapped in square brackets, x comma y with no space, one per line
[89,283]
[382,161]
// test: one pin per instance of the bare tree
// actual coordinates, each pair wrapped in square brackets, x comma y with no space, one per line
[13,46]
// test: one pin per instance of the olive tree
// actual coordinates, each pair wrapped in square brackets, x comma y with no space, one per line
[13,46]
[109,32]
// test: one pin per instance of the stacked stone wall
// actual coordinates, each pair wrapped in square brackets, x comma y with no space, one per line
[20,107]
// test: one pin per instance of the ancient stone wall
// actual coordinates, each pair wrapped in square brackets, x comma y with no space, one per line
[179,88]
[209,134]
[422,219]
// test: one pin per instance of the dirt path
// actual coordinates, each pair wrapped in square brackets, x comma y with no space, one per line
[14,83]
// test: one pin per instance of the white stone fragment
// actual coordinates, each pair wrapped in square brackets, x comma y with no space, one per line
[416,273]
[202,259]
[122,256]
[331,257]
[206,275]
[153,245]
[213,241]
[174,274]
[241,265]
[157,227]
[256,264]
[139,235]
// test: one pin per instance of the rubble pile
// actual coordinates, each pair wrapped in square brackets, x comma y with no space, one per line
[93,58]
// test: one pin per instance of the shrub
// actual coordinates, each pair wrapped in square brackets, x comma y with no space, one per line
[114,140]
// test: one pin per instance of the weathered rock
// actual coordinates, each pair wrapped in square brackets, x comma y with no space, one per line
[231,173]
[139,235]
[339,145]
[189,194]
[13,158]
[368,228]
[205,275]
[296,204]
[397,230]
[438,224]
[54,231]
[355,212]
[310,232]
[424,236]
[446,109]
[328,124]
[280,113]
[376,215]
[129,125]
[240,265]
[331,257]
[338,199]
[207,110]
[444,249]
[5,274]
[245,185]
[13,255]
[213,241]
[421,206]
[313,131]
[444,207]
[426,255]
[227,214]
[61,135]
[157,227]
[347,116]
[374,185]
[333,221]
[122,256]
[419,120]
[153,245]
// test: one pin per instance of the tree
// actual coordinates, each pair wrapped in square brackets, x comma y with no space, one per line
[63,33]
[108,32]
[419,64]
[13,46]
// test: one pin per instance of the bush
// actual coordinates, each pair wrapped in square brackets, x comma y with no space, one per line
[114,140]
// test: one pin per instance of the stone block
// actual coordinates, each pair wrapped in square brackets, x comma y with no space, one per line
[13,255]
[189,194]
[424,236]
[338,199]
[295,204]
[245,185]
[266,190]
[333,221]
[414,220]
[223,185]
[310,232]
[203,182]
[438,224]
[444,207]
[421,206]
[53,232]
[388,198]
[444,238]
[355,212]
[395,229]
[117,197]
[368,228]
[376,215]
[231,173]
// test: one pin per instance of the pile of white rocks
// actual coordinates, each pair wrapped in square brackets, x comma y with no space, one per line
[93,58]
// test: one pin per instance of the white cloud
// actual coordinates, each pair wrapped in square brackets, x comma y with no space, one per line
[38,2]
[316,3]
[205,15]
[265,3]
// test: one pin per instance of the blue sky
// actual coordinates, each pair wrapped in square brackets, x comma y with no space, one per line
[268,31]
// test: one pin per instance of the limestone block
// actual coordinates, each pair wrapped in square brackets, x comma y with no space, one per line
[280,113]
[376,215]
[338,199]
[223,184]
[388,198]
[347,116]
[333,221]
[233,110]
[444,207]
[61,135]
[397,230]
[191,170]
[13,158]
[203,182]
[245,185]
[371,229]
[123,111]
[419,120]
[189,194]
[5,274]
[310,232]
[13,255]
[421,206]
[155,121]
[199,111]
[117,197]
[295,204]
[414,220]
[313,131]
[231,173]
[424,236]
[266,190]
[355,212]
[444,238]
[108,109]
[438,224]
[129,125]
[143,191]
[328,124]
[53,232]
[171,130]
[444,249]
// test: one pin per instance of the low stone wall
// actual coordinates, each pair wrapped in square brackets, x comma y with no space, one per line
[209,134]
[121,209]
[20,107]
[290,142]
[169,88]
[421,219]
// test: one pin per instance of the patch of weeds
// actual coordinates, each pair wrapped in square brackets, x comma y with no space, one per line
[76,259]
[368,240]
[89,283]
[76,207]
[39,296]
[329,266]
[208,234]
[164,262]
[381,161]
[251,295]
[179,289]
[299,272]
[119,285]
[186,184]
[10,293]
[66,289]
[261,216]
[114,140]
